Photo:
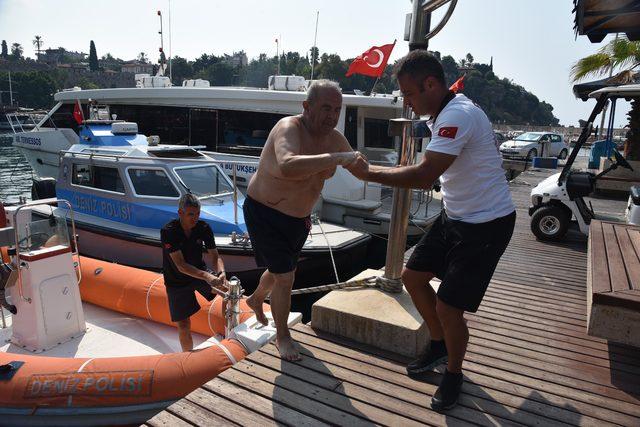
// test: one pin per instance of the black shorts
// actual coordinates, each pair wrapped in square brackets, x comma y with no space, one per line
[276,238]
[463,256]
[182,299]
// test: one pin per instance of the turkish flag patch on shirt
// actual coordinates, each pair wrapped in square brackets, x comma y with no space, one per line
[448,132]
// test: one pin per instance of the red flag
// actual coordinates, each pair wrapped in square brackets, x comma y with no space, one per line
[458,85]
[372,62]
[78,115]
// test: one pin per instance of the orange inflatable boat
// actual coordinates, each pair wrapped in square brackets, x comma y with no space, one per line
[58,365]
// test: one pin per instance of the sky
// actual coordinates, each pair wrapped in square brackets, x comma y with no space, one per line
[532,42]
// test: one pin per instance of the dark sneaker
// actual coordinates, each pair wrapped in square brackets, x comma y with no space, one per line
[446,396]
[435,356]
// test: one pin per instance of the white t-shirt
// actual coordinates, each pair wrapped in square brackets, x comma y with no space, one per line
[474,188]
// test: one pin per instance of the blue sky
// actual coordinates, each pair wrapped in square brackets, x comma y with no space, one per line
[532,41]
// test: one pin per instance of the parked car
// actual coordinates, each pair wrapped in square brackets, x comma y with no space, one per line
[530,144]
[500,138]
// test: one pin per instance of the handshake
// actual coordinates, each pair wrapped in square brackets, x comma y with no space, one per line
[355,162]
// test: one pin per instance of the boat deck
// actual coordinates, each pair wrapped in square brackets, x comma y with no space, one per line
[529,360]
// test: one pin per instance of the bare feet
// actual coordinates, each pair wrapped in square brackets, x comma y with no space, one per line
[256,306]
[287,348]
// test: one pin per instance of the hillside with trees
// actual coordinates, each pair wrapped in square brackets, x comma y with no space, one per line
[504,101]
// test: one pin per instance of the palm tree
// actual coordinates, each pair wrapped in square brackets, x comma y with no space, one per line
[37,42]
[622,54]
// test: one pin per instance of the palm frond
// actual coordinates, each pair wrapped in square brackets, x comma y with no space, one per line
[596,64]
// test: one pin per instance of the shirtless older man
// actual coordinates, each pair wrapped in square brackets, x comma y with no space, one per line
[299,155]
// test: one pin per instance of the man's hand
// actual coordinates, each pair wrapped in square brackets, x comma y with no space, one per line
[216,281]
[359,168]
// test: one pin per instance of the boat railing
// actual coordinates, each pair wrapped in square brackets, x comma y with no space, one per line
[74,253]
[17,124]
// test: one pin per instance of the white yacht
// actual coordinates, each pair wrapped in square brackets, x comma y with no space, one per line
[233,123]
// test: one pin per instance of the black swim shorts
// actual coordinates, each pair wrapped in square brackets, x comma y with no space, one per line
[277,238]
[182,299]
[463,256]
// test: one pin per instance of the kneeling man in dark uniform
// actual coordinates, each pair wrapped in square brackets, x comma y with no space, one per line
[184,240]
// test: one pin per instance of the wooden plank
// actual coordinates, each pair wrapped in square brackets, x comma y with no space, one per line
[311,407]
[601,280]
[248,399]
[230,408]
[630,256]
[166,419]
[196,414]
[401,379]
[541,395]
[402,387]
[623,299]
[617,272]
[347,397]
[549,342]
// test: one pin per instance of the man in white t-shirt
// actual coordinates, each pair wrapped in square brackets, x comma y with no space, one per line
[465,244]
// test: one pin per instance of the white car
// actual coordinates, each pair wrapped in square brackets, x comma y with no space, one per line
[530,144]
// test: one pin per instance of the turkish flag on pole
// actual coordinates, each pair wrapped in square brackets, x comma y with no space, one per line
[372,62]
[78,115]
[458,85]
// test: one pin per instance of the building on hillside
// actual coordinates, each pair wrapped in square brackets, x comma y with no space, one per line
[238,59]
[136,67]
[76,68]
[60,56]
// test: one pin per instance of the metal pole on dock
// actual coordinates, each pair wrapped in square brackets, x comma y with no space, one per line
[418,35]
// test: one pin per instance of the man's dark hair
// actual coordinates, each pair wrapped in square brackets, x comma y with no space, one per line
[419,64]
[188,200]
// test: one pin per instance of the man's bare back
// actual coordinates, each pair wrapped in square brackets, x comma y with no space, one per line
[291,193]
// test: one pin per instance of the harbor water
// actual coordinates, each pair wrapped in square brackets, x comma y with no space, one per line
[15,172]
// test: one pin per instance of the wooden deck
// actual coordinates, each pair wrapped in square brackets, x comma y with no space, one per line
[529,360]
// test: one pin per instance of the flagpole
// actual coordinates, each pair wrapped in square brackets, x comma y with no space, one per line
[374,85]
[313,52]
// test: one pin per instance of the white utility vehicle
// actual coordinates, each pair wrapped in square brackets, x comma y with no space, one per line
[560,197]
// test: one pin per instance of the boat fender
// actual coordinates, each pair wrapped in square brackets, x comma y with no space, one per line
[8,278]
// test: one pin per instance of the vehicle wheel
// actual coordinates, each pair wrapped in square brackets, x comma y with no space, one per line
[563,154]
[531,154]
[550,223]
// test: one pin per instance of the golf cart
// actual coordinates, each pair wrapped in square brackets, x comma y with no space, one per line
[560,197]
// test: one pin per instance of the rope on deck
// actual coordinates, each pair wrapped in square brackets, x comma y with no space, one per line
[367,282]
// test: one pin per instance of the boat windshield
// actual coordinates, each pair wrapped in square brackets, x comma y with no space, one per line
[528,136]
[44,233]
[204,181]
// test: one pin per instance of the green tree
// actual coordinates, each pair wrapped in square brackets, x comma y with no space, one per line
[93,57]
[34,89]
[16,51]
[621,54]
[219,74]
[4,53]
[37,42]
[181,69]
[469,59]
[142,57]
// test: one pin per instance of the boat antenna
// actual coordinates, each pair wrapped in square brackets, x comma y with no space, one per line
[10,91]
[170,74]
[313,50]
[161,70]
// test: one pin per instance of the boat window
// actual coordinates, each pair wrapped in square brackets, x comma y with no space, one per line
[204,181]
[245,128]
[100,177]
[152,182]
[376,133]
